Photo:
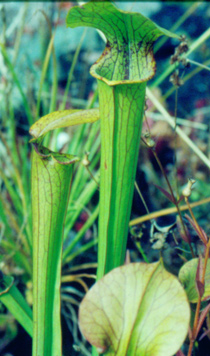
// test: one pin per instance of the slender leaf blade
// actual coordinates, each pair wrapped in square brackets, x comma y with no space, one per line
[16,304]
[167,194]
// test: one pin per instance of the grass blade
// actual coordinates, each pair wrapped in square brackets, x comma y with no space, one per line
[16,304]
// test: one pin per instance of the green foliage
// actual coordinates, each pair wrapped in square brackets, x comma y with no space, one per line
[187,276]
[138,309]
[16,304]
[15,204]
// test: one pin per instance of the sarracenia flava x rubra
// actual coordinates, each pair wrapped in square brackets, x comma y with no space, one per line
[51,182]
[122,72]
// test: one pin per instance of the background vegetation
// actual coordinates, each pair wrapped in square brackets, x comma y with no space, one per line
[45,67]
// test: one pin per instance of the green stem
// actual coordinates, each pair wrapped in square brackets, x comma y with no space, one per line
[51,180]
[121,113]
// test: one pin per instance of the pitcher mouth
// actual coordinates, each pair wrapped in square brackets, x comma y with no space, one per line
[110,80]
[128,55]
[125,61]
